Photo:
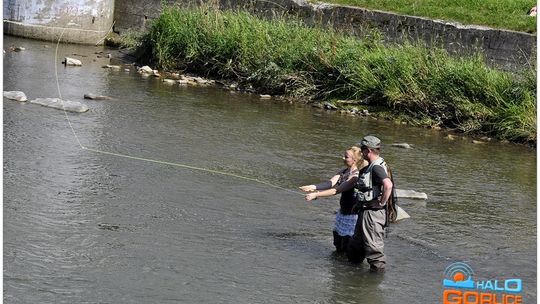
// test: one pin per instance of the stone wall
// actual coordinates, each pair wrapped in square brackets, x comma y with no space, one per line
[506,49]
[135,14]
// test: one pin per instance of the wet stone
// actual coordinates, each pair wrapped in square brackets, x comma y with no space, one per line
[15,95]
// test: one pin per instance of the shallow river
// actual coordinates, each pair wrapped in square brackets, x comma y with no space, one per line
[87,227]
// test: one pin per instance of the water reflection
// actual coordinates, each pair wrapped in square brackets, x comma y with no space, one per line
[354,284]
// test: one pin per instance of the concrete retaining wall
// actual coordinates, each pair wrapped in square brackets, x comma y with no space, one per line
[78,21]
[506,49]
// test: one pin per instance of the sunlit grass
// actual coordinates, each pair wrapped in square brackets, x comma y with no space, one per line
[503,14]
[427,85]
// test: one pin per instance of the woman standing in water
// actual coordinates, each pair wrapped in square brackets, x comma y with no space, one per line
[343,182]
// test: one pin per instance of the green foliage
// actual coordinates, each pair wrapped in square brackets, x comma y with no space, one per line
[286,57]
[504,14]
[131,39]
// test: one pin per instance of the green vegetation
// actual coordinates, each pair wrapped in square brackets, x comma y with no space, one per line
[504,14]
[425,86]
[131,39]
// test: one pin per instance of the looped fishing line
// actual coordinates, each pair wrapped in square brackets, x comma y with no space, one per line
[148,159]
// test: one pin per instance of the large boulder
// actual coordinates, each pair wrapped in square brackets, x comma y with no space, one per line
[57,103]
[15,95]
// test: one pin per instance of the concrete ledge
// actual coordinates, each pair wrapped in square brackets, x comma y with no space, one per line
[50,33]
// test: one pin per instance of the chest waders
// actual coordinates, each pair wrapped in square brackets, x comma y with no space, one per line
[368,196]
[368,239]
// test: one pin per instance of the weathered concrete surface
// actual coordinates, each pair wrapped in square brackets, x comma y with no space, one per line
[506,49]
[135,14]
[76,21]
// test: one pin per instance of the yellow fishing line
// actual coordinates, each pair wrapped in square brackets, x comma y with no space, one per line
[148,159]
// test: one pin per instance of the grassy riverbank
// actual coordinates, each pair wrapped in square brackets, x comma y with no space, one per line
[423,86]
[505,14]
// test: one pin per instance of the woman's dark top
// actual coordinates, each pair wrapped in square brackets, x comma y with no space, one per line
[347,200]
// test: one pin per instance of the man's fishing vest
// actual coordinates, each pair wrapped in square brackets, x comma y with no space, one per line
[364,187]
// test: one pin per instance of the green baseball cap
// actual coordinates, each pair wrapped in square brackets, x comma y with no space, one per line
[370,141]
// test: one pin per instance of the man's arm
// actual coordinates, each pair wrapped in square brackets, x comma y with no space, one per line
[387,190]
[381,178]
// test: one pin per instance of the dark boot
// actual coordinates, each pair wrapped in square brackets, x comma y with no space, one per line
[345,243]
[338,240]
[355,250]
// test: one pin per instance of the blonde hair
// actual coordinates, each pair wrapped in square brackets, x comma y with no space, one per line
[358,159]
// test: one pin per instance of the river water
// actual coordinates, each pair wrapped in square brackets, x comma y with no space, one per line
[87,227]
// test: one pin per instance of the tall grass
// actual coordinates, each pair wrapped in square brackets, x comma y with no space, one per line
[426,85]
[505,14]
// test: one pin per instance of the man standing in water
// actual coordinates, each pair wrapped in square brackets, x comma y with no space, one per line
[373,189]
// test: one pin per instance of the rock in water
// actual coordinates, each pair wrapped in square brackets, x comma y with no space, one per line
[57,103]
[410,194]
[401,214]
[96,97]
[15,95]
[402,145]
[146,69]
[72,61]
[112,67]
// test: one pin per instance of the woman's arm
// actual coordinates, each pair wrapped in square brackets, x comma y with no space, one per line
[321,186]
[347,185]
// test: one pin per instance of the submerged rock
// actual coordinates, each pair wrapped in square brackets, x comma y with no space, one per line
[15,95]
[72,61]
[57,103]
[402,145]
[106,226]
[478,142]
[410,194]
[185,79]
[111,66]
[96,97]
[329,106]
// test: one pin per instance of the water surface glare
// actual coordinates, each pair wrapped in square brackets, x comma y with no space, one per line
[84,227]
